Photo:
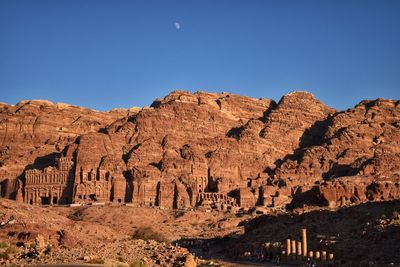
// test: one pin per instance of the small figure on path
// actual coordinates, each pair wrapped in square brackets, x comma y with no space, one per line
[278,261]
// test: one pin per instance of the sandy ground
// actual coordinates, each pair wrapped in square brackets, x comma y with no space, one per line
[77,234]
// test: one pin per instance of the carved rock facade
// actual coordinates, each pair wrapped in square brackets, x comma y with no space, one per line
[187,150]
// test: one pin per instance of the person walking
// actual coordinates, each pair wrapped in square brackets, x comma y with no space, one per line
[278,261]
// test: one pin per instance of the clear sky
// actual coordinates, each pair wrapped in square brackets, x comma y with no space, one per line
[106,54]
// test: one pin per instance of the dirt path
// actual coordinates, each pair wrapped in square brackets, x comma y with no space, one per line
[249,264]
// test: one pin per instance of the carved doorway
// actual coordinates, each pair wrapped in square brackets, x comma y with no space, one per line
[45,200]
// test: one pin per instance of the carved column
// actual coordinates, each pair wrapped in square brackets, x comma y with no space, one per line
[343,201]
[304,241]
[293,247]
[317,255]
[288,249]
[311,254]
[324,255]
[28,195]
[299,252]
[330,256]
[37,196]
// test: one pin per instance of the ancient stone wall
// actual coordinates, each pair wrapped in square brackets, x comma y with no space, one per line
[53,185]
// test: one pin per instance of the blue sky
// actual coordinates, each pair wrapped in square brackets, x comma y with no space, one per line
[106,54]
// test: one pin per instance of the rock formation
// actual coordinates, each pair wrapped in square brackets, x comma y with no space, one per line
[213,150]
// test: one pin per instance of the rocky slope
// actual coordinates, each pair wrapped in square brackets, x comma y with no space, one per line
[255,150]
[362,235]
[32,132]
[31,235]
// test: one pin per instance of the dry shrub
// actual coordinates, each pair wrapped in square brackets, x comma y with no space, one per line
[96,261]
[147,233]
[4,256]
[138,263]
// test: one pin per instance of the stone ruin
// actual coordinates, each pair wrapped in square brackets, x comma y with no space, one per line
[290,251]
[53,185]
[62,184]
[216,201]
[242,152]
[298,250]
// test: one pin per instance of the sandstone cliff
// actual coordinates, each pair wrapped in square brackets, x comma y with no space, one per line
[242,151]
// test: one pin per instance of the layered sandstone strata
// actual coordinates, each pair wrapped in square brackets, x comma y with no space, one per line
[239,150]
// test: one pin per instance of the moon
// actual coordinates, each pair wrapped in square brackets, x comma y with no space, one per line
[177,25]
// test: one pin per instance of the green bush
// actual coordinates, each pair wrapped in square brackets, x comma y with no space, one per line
[4,256]
[147,233]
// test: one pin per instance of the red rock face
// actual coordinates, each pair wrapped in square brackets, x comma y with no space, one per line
[33,133]
[254,151]
[360,141]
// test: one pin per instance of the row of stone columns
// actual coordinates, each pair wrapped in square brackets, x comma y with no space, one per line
[34,194]
[298,249]
[320,255]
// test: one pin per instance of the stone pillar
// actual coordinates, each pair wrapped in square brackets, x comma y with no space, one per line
[317,255]
[288,247]
[311,254]
[293,246]
[35,197]
[28,194]
[331,256]
[299,252]
[304,241]
[343,201]
[324,255]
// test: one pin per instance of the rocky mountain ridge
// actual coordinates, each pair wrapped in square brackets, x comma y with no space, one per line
[244,151]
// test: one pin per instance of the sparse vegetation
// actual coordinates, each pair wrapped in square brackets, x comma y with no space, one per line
[179,213]
[138,263]
[395,215]
[147,233]
[371,194]
[4,256]
[11,250]
[96,261]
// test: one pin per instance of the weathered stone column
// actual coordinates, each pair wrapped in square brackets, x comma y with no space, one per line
[288,249]
[311,254]
[299,252]
[28,194]
[343,201]
[317,255]
[331,256]
[324,255]
[293,248]
[304,241]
